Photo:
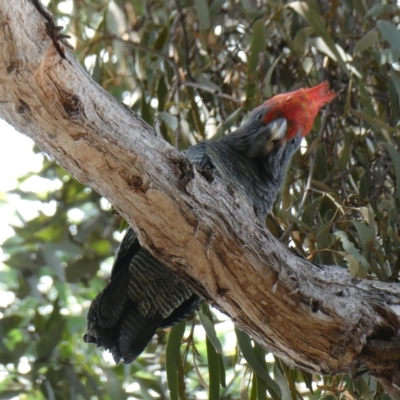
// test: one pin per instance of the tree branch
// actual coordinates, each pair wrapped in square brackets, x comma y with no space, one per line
[318,318]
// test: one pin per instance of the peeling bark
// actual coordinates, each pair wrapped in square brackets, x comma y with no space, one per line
[318,318]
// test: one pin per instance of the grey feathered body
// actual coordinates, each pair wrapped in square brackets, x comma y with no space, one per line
[258,180]
[142,294]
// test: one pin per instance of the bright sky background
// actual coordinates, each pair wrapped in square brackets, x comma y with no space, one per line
[16,159]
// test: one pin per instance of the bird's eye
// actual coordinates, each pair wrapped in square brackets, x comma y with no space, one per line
[259,115]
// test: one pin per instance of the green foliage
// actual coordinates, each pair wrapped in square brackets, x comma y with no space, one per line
[200,66]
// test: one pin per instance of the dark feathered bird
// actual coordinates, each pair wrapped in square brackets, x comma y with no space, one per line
[142,294]
[141,297]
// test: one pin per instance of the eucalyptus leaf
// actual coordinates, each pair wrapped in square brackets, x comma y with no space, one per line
[364,232]
[349,247]
[203,13]
[173,358]
[247,350]
[258,44]
[368,40]
[310,211]
[315,21]
[169,119]
[390,33]
[395,156]
[208,326]
[379,9]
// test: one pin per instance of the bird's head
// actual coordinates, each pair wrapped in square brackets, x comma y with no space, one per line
[255,139]
[299,107]
[278,125]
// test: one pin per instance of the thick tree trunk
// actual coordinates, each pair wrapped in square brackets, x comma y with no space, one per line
[316,317]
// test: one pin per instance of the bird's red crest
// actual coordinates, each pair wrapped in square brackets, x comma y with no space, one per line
[299,107]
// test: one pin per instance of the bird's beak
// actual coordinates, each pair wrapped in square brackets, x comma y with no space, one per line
[277,129]
[265,138]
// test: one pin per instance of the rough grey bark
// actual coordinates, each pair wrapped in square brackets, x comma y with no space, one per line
[315,317]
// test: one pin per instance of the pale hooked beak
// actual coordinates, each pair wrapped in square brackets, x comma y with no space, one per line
[277,129]
[266,138]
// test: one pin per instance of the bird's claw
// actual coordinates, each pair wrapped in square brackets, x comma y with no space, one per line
[207,172]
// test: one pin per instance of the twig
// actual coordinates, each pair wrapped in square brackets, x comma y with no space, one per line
[216,92]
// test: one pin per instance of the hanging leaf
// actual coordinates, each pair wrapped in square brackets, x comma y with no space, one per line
[364,232]
[203,12]
[395,156]
[81,270]
[173,359]
[350,249]
[368,40]
[345,156]
[379,9]
[390,33]
[258,44]
[215,362]
[169,119]
[310,211]
[281,381]
[247,350]
[162,38]
[228,123]
[210,331]
[51,335]
[314,19]
[300,40]
[260,384]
